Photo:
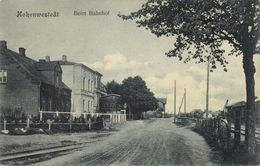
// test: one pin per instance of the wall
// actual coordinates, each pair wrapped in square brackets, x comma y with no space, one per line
[19,90]
[68,79]
[73,76]
[87,89]
[51,75]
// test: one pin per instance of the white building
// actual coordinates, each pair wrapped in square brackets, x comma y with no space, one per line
[85,84]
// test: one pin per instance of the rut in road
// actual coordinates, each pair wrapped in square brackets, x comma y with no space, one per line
[148,142]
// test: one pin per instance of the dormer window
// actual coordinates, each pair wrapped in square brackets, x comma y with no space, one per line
[3,76]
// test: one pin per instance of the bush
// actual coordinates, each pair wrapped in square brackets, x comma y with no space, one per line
[15,114]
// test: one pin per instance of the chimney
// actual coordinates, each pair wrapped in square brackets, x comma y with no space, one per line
[64,58]
[22,51]
[3,45]
[47,58]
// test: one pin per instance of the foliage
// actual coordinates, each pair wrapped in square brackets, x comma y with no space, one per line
[137,96]
[12,114]
[113,87]
[201,29]
[160,109]
[203,26]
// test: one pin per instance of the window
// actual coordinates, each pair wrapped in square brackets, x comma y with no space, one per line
[57,81]
[88,107]
[83,105]
[91,106]
[92,86]
[88,85]
[98,101]
[50,105]
[98,83]
[3,76]
[84,83]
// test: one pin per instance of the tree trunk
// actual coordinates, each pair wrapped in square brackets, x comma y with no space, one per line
[129,111]
[249,70]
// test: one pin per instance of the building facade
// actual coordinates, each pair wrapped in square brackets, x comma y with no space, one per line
[110,103]
[161,102]
[31,85]
[86,86]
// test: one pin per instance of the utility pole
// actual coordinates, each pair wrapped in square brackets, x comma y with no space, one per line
[185,100]
[174,101]
[207,92]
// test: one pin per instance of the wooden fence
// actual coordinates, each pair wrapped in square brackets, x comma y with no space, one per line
[226,133]
[113,117]
[217,130]
[67,121]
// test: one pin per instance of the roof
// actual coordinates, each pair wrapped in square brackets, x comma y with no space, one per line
[32,68]
[61,62]
[42,65]
[28,65]
[109,95]
[237,104]
[64,86]
[66,62]
[163,100]
[242,104]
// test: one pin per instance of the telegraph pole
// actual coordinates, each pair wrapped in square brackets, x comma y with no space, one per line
[207,92]
[185,100]
[174,101]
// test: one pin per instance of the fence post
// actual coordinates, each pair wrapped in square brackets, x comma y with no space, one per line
[113,118]
[70,122]
[103,120]
[89,123]
[237,127]
[49,123]
[40,115]
[4,124]
[229,132]
[28,122]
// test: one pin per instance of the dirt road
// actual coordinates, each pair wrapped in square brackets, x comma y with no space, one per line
[149,142]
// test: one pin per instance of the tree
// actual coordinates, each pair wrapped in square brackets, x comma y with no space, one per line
[113,87]
[138,97]
[205,26]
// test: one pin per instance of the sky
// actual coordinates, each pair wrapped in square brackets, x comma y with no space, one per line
[118,49]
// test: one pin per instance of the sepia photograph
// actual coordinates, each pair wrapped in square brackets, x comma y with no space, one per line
[129,82]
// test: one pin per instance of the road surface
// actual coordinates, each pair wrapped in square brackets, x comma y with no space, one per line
[147,142]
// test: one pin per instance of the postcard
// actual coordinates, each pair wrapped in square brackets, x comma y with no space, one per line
[129,82]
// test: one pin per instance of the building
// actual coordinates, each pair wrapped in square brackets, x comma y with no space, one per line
[161,102]
[231,110]
[110,103]
[86,86]
[31,85]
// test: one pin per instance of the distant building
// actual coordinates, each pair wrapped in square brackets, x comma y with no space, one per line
[196,113]
[161,102]
[31,85]
[210,114]
[110,103]
[86,86]
[241,106]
